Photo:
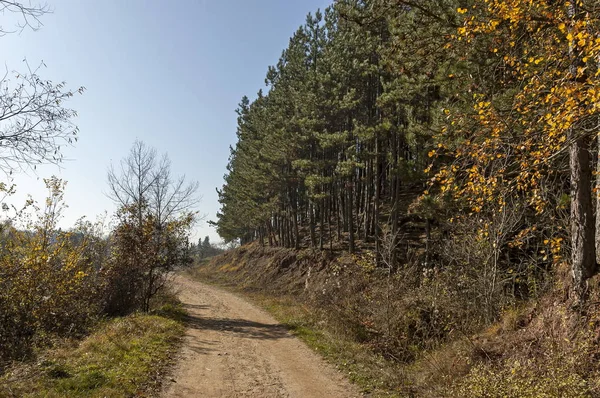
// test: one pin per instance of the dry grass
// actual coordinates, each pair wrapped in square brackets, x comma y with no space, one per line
[123,358]
[539,348]
[374,374]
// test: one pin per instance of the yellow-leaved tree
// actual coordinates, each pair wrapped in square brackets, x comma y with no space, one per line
[529,138]
[47,276]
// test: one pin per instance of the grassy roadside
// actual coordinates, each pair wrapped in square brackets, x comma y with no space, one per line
[372,373]
[122,358]
[541,348]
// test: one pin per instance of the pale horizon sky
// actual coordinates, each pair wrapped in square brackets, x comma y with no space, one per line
[168,73]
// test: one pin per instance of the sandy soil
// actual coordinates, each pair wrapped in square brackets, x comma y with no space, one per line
[234,349]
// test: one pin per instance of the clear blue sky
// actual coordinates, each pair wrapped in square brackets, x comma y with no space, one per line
[170,73]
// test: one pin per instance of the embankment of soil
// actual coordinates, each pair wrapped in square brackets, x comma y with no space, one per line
[426,335]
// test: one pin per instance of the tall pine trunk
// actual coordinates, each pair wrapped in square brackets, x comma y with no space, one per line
[350,216]
[598,200]
[376,229]
[311,221]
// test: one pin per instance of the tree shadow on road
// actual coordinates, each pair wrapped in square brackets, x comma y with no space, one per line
[196,306]
[242,327]
[202,346]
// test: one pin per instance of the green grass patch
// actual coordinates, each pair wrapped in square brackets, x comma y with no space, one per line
[122,358]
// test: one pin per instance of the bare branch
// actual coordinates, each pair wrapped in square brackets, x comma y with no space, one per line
[26,16]
[145,181]
[34,125]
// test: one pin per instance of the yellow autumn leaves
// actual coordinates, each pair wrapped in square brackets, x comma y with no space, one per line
[545,90]
[48,277]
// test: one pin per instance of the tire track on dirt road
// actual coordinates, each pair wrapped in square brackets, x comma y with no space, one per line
[234,349]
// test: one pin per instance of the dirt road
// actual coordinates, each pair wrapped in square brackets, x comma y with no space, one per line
[234,349]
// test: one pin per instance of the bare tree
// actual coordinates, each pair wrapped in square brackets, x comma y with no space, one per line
[142,179]
[155,214]
[131,183]
[34,124]
[171,196]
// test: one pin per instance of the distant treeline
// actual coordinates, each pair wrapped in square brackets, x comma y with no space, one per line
[205,249]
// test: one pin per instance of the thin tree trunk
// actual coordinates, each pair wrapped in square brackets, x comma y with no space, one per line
[311,218]
[336,208]
[377,201]
[296,231]
[368,198]
[350,217]
[270,233]
[395,175]
[321,216]
[582,217]
[583,248]
[597,243]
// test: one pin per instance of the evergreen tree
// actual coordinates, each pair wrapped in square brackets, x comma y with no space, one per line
[395,117]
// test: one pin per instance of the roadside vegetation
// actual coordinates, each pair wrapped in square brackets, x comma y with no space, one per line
[371,371]
[416,192]
[389,345]
[84,311]
[122,357]
[423,176]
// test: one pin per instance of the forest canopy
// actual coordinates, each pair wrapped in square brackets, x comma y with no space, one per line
[395,126]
